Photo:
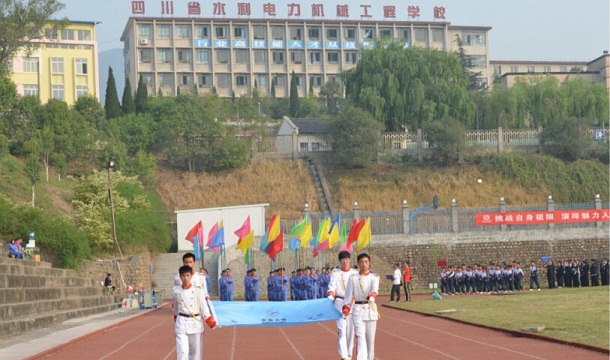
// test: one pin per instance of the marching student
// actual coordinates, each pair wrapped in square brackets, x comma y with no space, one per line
[190,310]
[362,289]
[534,276]
[594,273]
[336,293]
[550,274]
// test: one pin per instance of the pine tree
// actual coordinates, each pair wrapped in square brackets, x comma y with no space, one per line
[294,95]
[273,89]
[141,96]
[128,106]
[111,103]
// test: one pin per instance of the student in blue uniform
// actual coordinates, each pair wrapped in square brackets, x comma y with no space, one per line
[230,289]
[247,286]
[255,286]
[283,285]
[594,273]
[222,286]
[534,276]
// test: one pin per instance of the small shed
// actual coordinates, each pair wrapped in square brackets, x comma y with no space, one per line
[311,135]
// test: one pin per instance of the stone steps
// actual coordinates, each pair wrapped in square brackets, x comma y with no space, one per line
[16,269]
[20,295]
[41,307]
[33,281]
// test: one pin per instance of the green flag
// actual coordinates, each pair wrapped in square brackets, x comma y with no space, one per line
[343,236]
[297,229]
[247,257]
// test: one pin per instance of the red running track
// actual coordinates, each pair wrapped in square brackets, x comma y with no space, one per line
[400,335]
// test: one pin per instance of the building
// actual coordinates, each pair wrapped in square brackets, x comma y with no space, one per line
[62,65]
[308,134]
[232,56]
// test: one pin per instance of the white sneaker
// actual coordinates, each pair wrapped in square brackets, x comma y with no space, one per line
[531,289]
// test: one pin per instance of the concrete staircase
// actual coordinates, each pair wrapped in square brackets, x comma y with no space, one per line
[33,295]
[165,268]
[324,198]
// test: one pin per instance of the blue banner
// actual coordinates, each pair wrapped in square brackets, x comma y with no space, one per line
[274,313]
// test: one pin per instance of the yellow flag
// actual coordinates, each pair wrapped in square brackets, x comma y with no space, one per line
[364,238]
[333,238]
[306,235]
[246,243]
[323,231]
[274,229]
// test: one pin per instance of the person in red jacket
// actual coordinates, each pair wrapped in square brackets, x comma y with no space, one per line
[406,281]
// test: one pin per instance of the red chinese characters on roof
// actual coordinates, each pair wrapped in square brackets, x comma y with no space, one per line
[542,217]
[138,7]
[194,8]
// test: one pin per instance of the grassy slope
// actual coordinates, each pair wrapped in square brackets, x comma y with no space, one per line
[579,315]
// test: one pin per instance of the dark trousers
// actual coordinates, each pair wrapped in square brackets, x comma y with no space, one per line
[534,280]
[395,290]
[407,289]
[594,280]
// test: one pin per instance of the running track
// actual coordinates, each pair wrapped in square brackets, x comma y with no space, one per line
[400,335]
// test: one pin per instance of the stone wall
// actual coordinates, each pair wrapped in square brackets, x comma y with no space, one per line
[424,250]
[132,270]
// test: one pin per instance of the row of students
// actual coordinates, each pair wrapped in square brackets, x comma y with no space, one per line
[277,285]
[574,273]
[307,283]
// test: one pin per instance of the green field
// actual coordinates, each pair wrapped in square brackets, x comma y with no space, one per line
[579,315]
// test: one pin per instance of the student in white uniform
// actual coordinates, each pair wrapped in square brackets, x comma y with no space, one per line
[197,279]
[190,311]
[362,289]
[336,293]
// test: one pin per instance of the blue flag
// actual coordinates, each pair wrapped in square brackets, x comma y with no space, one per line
[294,245]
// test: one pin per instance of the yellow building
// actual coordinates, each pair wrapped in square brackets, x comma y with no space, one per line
[62,65]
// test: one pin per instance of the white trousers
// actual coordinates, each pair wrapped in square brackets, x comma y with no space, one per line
[189,346]
[365,335]
[345,329]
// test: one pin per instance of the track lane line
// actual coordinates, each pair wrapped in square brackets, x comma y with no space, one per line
[291,344]
[132,340]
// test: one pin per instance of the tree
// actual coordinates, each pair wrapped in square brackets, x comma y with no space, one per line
[448,139]
[355,137]
[144,166]
[273,89]
[46,136]
[137,132]
[8,92]
[32,169]
[22,22]
[475,82]
[90,111]
[332,92]
[310,107]
[111,103]
[567,138]
[128,106]
[3,150]
[294,95]
[141,96]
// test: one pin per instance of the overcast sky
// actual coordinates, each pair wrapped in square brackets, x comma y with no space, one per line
[521,29]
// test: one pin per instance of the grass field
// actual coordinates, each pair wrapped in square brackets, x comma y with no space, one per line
[579,315]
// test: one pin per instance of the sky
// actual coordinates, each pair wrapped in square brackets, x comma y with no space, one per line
[559,30]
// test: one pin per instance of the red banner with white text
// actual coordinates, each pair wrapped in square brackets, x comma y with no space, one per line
[542,217]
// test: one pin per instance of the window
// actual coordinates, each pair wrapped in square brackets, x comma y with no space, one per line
[547,69]
[350,33]
[438,35]
[277,32]
[315,146]
[80,66]
[421,35]
[351,57]
[166,80]
[144,30]
[30,65]
[296,33]
[201,31]
[30,90]
[473,39]
[203,56]
[164,55]
[222,56]
[296,56]
[260,56]
[332,57]
[221,32]
[315,80]
[385,33]
[303,147]
[242,80]
[300,79]
[50,34]
[185,79]
[240,32]
[332,33]
[368,34]
[278,56]
[185,56]
[58,92]
[242,56]
[280,80]
[183,31]
[204,80]
[404,34]
[67,34]
[164,31]
[81,90]
[563,69]
[514,69]
[148,79]
[479,61]
[261,80]
[259,32]
[531,69]
[313,33]
[315,57]
[57,65]
[497,70]
[84,35]
[146,55]
[224,80]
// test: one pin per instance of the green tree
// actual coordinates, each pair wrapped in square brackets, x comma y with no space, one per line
[273,89]
[128,105]
[8,91]
[21,122]
[59,162]
[3,150]
[310,107]
[447,137]
[141,96]
[32,170]
[46,137]
[355,137]
[144,166]
[137,132]
[111,103]
[547,101]
[332,93]
[294,95]
[585,100]
[567,138]
[475,82]
[90,111]
[22,22]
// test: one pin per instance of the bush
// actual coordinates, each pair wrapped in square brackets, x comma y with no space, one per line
[448,137]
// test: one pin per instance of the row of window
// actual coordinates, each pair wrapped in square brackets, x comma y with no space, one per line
[68,34]
[224,80]
[57,91]
[314,33]
[32,65]
[241,56]
[532,69]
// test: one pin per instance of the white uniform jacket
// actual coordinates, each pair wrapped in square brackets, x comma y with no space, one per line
[190,309]
[359,287]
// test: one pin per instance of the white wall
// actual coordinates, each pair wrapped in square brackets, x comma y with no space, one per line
[233,217]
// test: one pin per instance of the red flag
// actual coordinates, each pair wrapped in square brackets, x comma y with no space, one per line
[276,246]
[194,232]
[355,231]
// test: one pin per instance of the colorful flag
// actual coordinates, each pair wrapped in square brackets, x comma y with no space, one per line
[195,236]
[211,235]
[306,235]
[294,245]
[247,257]
[264,242]
[354,232]
[324,246]
[343,236]
[219,238]
[333,236]
[244,230]
[297,230]
[246,243]
[323,231]
[274,228]
[276,246]
[364,238]
[347,247]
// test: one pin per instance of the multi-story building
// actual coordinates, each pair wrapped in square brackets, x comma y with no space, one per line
[62,65]
[232,56]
